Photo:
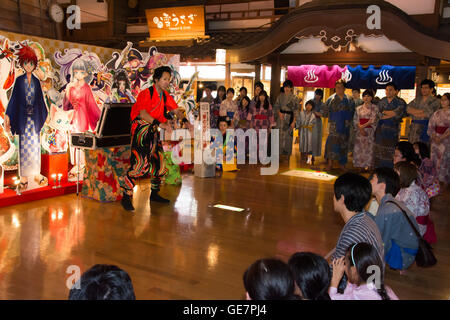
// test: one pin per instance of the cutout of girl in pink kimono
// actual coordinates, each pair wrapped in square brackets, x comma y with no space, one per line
[79,97]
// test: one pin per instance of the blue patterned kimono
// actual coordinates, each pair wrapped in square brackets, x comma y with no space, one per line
[27,113]
[340,116]
[387,131]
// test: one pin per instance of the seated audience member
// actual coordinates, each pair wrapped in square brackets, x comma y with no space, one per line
[269,279]
[103,282]
[399,240]
[404,151]
[351,194]
[312,275]
[224,124]
[428,176]
[359,264]
[415,199]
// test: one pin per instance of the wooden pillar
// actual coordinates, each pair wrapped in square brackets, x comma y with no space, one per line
[258,72]
[275,79]
[421,74]
[228,75]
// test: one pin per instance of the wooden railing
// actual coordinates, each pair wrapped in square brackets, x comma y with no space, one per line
[265,13]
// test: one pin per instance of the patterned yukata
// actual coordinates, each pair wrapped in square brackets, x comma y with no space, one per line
[416,200]
[363,150]
[214,110]
[419,126]
[317,130]
[387,132]
[288,105]
[340,116]
[245,118]
[261,118]
[306,122]
[428,178]
[353,129]
[229,109]
[440,152]
[27,112]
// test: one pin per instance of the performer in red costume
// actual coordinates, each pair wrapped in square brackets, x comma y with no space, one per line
[151,110]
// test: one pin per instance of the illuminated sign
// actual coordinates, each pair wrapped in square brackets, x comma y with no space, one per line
[176,23]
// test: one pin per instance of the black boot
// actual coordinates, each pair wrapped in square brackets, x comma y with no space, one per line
[157,198]
[126,202]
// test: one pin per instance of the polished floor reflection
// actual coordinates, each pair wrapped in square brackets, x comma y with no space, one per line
[189,250]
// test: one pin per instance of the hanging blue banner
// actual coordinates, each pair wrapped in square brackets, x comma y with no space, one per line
[377,78]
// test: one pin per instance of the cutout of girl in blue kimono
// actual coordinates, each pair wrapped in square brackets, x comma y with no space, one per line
[25,115]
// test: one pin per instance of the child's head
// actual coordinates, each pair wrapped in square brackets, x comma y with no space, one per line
[243,92]
[367,96]
[309,106]
[230,93]
[245,102]
[351,192]
[221,92]
[312,275]
[223,124]
[103,282]
[407,172]
[362,261]
[422,150]
[269,279]
[404,151]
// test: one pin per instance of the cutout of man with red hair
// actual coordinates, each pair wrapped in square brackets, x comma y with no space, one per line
[25,115]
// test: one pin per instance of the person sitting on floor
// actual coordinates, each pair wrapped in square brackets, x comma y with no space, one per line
[228,162]
[269,279]
[404,151]
[360,262]
[428,176]
[351,194]
[312,275]
[399,239]
[103,282]
[415,199]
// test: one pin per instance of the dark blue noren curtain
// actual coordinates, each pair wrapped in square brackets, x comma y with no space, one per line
[377,78]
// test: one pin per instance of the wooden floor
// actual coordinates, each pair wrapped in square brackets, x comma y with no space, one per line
[189,250]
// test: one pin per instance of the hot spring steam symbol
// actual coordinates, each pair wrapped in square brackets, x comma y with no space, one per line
[383,77]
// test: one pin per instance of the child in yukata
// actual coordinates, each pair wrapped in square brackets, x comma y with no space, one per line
[305,124]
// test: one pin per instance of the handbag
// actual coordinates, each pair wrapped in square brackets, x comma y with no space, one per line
[424,257]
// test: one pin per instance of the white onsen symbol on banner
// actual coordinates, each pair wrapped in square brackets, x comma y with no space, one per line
[347,75]
[311,77]
[383,77]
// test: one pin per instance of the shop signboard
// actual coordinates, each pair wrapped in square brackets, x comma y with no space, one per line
[176,23]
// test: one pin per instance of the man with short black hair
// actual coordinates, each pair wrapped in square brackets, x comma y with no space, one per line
[352,192]
[286,110]
[208,98]
[103,282]
[421,109]
[153,107]
[340,110]
[399,239]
